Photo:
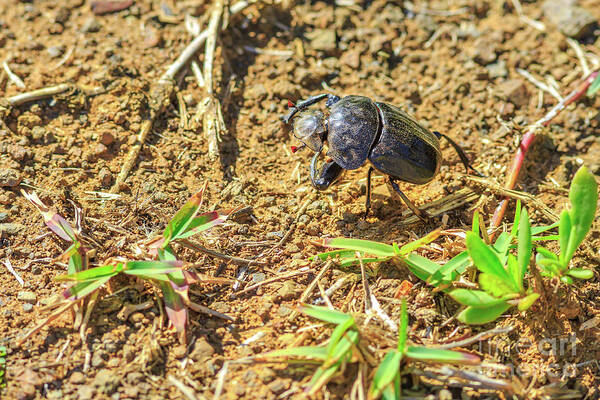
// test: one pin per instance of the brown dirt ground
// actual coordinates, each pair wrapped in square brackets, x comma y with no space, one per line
[71,147]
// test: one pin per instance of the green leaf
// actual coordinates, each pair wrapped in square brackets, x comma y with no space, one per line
[441,356]
[536,230]
[183,218]
[527,301]
[421,267]
[566,279]
[594,87]
[203,222]
[414,245]
[92,274]
[448,272]
[325,314]
[580,273]
[475,223]
[583,196]
[365,246]
[343,253]
[166,254]
[516,222]
[174,306]
[501,246]
[564,232]
[546,253]
[403,328]
[474,298]
[524,249]
[337,335]
[496,286]
[151,268]
[386,373]
[393,391]
[479,315]
[484,258]
[82,289]
[311,352]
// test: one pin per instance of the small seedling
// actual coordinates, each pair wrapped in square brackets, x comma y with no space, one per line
[574,224]
[168,273]
[375,252]
[386,381]
[594,87]
[502,274]
[342,347]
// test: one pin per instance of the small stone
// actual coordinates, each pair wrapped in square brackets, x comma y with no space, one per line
[136,317]
[91,25]
[256,92]
[220,306]
[180,351]
[497,70]
[105,176]
[484,51]
[28,297]
[572,20]
[56,51]
[284,311]
[278,386]
[202,349]
[286,292]
[107,138]
[97,360]
[134,377]
[27,307]
[351,58]
[113,363]
[322,39]
[515,91]
[258,277]
[86,392]
[106,381]
[266,375]
[9,177]
[77,378]
[100,150]
[3,216]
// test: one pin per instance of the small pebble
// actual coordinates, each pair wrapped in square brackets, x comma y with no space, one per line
[27,296]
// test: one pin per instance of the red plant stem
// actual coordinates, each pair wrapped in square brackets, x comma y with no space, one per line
[528,139]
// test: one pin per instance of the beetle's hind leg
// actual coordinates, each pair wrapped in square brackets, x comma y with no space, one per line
[368,201]
[461,153]
[418,212]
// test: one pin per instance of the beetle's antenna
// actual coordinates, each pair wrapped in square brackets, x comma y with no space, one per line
[298,148]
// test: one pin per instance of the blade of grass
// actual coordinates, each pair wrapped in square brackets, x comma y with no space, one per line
[183,218]
[441,356]
[325,314]
[386,373]
[364,246]
[524,249]
[484,258]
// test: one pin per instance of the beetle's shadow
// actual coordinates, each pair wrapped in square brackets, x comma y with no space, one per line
[238,57]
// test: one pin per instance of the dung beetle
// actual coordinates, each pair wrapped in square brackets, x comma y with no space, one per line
[358,130]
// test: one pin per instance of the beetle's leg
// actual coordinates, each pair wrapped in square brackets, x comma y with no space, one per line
[302,104]
[419,213]
[368,201]
[461,153]
[326,176]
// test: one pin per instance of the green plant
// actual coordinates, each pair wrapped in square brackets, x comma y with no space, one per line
[344,346]
[166,272]
[574,224]
[2,366]
[353,251]
[386,381]
[502,274]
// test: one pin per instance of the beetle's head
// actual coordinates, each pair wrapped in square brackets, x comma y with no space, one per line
[309,128]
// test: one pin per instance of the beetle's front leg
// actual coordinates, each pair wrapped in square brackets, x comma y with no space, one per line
[326,176]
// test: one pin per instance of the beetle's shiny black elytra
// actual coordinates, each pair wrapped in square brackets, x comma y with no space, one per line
[358,130]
